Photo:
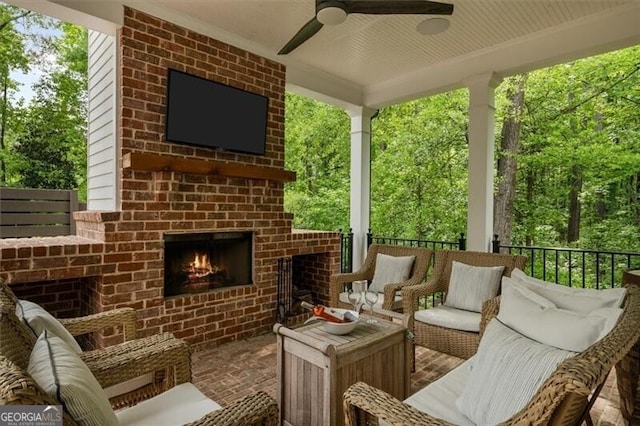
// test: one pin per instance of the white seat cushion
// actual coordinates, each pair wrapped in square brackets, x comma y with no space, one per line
[179,405]
[397,300]
[129,385]
[448,317]
[439,398]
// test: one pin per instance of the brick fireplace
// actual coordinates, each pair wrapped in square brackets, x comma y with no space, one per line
[117,258]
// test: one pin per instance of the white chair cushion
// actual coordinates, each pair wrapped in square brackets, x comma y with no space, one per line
[539,319]
[390,270]
[572,298]
[439,398]
[448,317]
[129,385]
[397,300]
[507,371]
[179,405]
[39,320]
[470,286]
[58,370]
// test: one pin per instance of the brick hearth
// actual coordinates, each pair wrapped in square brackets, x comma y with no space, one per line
[116,258]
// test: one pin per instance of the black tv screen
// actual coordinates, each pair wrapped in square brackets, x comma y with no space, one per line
[205,113]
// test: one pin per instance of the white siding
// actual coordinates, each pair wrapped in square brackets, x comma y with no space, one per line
[102,178]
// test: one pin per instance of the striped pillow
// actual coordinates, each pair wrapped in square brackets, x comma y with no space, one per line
[60,372]
[38,320]
[470,286]
[507,371]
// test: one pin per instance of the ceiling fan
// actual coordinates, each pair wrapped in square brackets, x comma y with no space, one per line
[333,12]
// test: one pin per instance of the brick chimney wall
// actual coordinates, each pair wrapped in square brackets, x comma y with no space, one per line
[122,252]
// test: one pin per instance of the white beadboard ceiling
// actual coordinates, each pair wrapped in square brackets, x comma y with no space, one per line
[373,60]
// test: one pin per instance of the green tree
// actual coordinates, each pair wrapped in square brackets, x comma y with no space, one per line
[317,148]
[13,56]
[50,146]
[579,163]
[419,168]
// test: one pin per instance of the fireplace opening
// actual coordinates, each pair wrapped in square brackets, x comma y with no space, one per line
[198,262]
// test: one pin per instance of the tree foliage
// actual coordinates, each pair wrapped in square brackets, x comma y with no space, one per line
[318,150]
[45,138]
[575,161]
[419,161]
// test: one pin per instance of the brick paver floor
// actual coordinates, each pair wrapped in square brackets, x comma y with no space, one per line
[236,369]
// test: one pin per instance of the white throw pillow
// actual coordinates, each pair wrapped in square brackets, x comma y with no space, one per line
[470,286]
[539,319]
[60,372]
[573,298]
[508,370]
[39,320]
[391,270]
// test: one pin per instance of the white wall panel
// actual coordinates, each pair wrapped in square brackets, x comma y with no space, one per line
[102,174]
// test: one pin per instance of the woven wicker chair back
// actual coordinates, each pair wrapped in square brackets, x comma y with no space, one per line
[445,258]
[16,340]
[7,298]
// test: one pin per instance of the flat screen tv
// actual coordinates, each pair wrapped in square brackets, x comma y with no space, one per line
[205,113]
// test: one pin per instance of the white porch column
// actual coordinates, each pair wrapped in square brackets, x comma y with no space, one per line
[360,180]
[481,170]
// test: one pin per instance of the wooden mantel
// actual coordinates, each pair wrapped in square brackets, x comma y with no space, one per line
[156,163]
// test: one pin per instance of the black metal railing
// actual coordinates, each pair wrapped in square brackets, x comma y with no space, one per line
[461,244]
[346,252]
[586,268]
[597,269]
[284,290]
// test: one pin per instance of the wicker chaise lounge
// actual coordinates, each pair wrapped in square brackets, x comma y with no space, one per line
[562,399]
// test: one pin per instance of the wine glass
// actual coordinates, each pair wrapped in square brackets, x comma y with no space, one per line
[371,297]
[355,297]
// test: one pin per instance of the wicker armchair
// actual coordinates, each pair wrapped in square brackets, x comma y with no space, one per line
[462,344]
[563,399]
[140,386]
[392,300]
[171,356]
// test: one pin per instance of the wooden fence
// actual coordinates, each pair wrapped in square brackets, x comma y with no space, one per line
[37,212]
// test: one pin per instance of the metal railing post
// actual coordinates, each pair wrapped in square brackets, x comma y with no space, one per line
[350,244]
[495,244]
[462,242]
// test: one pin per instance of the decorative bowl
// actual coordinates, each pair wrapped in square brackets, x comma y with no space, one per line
[341,328]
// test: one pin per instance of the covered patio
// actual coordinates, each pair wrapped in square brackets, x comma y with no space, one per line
[373,60]
[136,193]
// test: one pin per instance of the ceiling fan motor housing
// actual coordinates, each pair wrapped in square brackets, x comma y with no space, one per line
[331,12]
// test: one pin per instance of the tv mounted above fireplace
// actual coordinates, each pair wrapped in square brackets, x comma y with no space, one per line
[202,112]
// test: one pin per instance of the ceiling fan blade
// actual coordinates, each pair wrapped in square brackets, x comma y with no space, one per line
[306,32]
[398,7]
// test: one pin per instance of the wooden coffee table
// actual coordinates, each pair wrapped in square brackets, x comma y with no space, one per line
[315,368]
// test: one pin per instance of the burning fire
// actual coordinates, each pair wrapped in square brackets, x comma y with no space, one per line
[201,267]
